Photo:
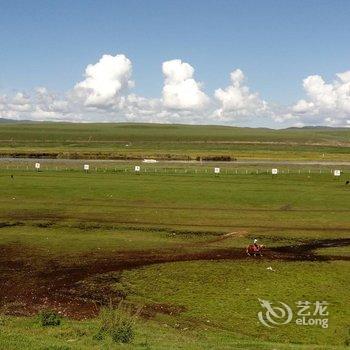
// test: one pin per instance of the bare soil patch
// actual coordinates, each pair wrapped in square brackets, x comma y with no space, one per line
[30,281]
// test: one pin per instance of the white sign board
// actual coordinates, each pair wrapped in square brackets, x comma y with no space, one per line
[274,171]
[217,170]
[86,167]
[337,172]
[137,168]
[37,165]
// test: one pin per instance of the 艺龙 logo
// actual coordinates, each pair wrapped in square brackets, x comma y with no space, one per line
[308,313]
[274,315]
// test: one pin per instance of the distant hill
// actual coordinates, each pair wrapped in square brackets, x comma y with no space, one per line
[10,121]
[135,141]
[317,127]
[165,126]
[4,120]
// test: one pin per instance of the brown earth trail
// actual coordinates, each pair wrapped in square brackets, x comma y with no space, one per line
[29,281]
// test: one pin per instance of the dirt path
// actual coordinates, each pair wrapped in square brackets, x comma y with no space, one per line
[30,281]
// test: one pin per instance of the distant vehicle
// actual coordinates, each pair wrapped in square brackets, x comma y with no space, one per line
[150,161]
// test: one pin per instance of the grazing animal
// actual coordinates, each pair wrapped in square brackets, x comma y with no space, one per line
[11,176]
[255,249]
[347,182]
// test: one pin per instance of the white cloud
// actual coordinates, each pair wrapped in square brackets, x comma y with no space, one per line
[15,105]
[181,91]
[237,102]
[326,104]
[19,103]
[303,106]
[20,99]
[105,81]
[104,95]
[344,77]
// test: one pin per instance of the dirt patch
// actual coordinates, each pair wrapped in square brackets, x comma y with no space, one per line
[29,281]
[150,310]
[10,224]
[305,250]
[286,207]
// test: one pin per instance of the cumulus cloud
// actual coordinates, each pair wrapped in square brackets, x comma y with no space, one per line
[11,106]
[19,103]
[105,81]
[237,102]
[181,91]
[105,94]
[102,96]
[40,105]
[327,104]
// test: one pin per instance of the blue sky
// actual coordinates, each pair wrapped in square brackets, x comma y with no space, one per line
[276,44]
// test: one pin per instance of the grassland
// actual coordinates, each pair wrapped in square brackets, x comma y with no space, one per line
[171,142]
[158,239]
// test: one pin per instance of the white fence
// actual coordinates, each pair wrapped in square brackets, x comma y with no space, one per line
[183,170]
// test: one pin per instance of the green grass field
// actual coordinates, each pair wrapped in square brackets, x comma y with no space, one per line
[142,231]
[171,142]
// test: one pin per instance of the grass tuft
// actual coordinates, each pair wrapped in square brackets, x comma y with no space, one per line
[49,318]
[117,323]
